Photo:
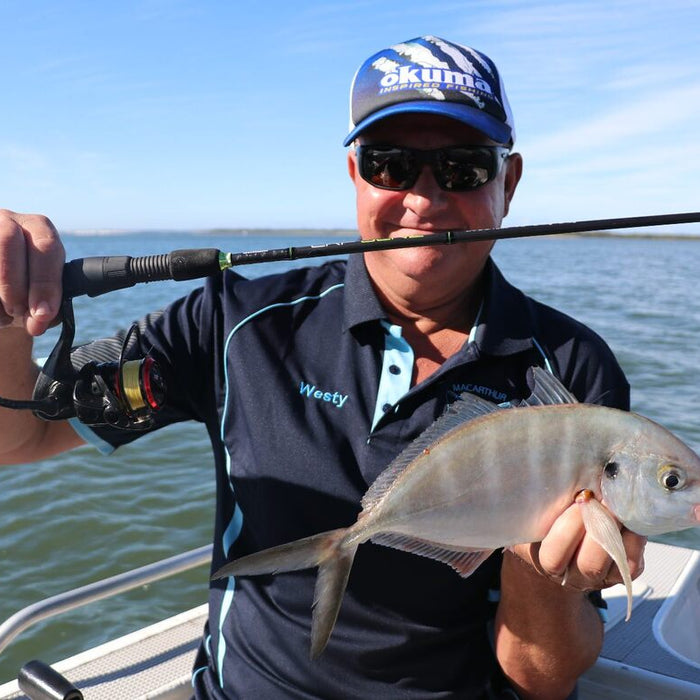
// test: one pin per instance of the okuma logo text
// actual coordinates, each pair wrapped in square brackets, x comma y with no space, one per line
[412,76]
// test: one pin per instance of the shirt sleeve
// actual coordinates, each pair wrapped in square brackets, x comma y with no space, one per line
[180,341]
[586,364]
[595,376]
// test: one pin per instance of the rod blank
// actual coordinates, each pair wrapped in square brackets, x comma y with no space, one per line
[449,237]
[95,276]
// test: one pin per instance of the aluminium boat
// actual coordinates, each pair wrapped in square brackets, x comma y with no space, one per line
[656,655]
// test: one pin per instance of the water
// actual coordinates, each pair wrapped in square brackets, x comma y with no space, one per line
[79,517]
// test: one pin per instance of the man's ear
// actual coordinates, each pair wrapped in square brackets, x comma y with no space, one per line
[352,163]
[514,171]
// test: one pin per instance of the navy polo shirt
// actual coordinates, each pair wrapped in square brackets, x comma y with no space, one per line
[304,386]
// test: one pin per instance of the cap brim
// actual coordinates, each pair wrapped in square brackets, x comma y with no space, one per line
[493,128]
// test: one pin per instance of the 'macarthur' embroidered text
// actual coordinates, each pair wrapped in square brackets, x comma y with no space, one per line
[480,390]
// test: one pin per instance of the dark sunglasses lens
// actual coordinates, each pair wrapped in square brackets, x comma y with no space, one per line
[388,168]
[463,169]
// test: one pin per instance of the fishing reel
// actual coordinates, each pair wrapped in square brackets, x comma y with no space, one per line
[123,393]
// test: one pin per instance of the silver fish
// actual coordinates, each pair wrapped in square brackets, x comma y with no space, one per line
[483,477]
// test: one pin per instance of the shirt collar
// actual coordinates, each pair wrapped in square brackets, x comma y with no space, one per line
[361,303]
[504,326]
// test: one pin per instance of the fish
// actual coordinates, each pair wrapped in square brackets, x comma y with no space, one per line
[484,477]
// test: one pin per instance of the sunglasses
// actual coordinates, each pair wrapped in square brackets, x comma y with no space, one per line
[455,168]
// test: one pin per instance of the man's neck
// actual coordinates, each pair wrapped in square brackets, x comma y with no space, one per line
[435,331]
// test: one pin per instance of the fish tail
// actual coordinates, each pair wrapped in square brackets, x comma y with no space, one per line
[331,582]
[292,556]
[327,550]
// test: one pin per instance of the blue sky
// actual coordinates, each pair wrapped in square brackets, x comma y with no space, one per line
[193,115]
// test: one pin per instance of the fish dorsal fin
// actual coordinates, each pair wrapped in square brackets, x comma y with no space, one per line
[548,390]
[466,408]
[463,561]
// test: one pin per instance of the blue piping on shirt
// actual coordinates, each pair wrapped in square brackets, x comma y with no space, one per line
[233,530]
[547,366]
[86,432]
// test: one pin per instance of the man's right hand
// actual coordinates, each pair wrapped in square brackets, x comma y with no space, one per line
[31,267]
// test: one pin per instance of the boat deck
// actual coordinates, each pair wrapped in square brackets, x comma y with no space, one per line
[631,650]
[156,662]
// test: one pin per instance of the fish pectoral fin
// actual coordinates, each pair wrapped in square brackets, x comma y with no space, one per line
[603,528]
[464,561]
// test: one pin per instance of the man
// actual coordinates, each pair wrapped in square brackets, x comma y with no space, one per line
[311,381]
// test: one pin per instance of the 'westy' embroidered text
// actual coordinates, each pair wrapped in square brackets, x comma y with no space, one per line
[310,390]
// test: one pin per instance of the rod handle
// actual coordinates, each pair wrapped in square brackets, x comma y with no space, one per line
[98,275]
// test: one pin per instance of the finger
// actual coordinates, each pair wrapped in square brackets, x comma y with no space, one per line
[634,548]
[45,256]
[560,545]
[569,556]
[589,567]
[592,565]
[13,269]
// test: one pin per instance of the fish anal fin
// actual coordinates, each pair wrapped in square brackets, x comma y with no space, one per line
[464,561]
[603,528]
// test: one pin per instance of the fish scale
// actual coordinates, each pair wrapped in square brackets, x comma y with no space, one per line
[442,501]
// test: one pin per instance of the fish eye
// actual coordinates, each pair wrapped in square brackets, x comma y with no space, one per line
[611,469]
[671,478]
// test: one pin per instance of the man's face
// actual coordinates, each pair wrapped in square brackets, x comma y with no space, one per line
[425,208]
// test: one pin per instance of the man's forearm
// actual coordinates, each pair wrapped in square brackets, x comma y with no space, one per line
[546,635]
[17,376]
[23,436]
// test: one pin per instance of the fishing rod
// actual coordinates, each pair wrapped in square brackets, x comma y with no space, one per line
[98,275]
[124,391]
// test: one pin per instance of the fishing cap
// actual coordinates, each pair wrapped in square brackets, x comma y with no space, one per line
[433,76]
